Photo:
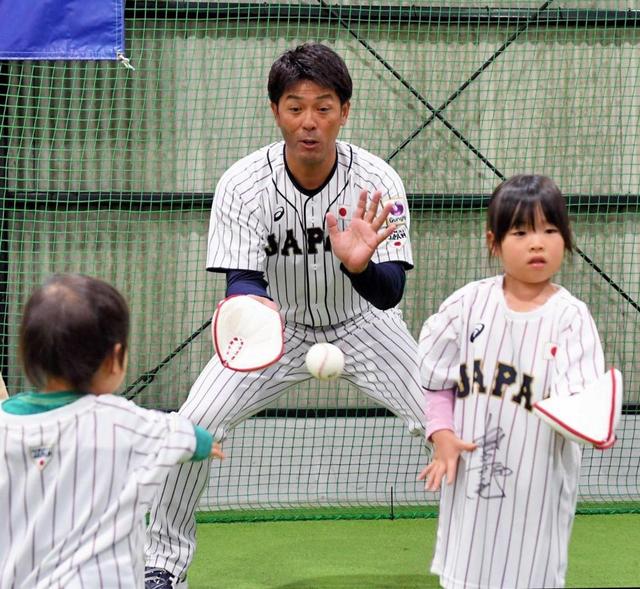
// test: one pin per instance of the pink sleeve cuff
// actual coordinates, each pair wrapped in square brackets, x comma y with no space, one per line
[438,410]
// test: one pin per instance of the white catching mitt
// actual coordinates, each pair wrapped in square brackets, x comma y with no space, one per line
[588,417]
[247,335]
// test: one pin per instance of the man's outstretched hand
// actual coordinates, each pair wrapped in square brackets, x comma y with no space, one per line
[355,246]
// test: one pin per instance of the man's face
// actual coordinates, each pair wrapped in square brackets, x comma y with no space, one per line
[310,117]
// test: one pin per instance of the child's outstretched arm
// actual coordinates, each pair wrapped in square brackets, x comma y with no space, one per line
[206,447]
[439,430]
[216,451]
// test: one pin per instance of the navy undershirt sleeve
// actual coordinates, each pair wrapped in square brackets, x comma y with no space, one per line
[246,282]
[381,284]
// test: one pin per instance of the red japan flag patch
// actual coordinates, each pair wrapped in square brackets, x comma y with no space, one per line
[550,351]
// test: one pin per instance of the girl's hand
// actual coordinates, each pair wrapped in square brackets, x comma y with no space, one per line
[448,448]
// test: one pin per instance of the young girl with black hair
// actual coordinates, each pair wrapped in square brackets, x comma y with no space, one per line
[494,348]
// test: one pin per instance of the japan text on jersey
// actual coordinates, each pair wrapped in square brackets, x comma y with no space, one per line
[263,220]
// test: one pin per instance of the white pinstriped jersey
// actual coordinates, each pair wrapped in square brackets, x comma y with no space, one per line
[75,484]
[261,220]
[506,519]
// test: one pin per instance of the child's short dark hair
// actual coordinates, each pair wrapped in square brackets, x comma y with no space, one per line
[314,62]
[69,326]
[516,202]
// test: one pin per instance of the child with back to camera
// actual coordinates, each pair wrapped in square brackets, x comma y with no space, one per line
[494,348]
[78,465]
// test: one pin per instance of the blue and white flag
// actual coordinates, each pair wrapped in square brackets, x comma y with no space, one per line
[61,29]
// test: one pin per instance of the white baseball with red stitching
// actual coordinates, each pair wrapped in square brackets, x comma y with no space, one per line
[325,361]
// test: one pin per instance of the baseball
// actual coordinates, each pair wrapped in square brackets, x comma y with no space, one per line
[325,361]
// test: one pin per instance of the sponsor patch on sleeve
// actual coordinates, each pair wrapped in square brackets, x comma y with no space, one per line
[399,237]
[398,214]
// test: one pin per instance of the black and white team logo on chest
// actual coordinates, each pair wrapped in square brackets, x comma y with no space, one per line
[477,330]
[278,214]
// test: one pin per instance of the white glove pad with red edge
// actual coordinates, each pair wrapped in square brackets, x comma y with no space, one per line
[587,417]
[247,335]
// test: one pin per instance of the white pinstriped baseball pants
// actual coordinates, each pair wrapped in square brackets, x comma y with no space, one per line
[381,360]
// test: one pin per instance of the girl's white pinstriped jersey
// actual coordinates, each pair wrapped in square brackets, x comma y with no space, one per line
[262,220]
[506,520]
[75,484]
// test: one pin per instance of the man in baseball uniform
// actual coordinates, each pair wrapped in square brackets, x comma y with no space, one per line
[319,229]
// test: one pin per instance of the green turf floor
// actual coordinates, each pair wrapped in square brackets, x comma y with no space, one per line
[605,552]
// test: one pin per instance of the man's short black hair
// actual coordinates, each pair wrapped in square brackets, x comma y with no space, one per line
[313,62]
[517,201]
[69,326]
